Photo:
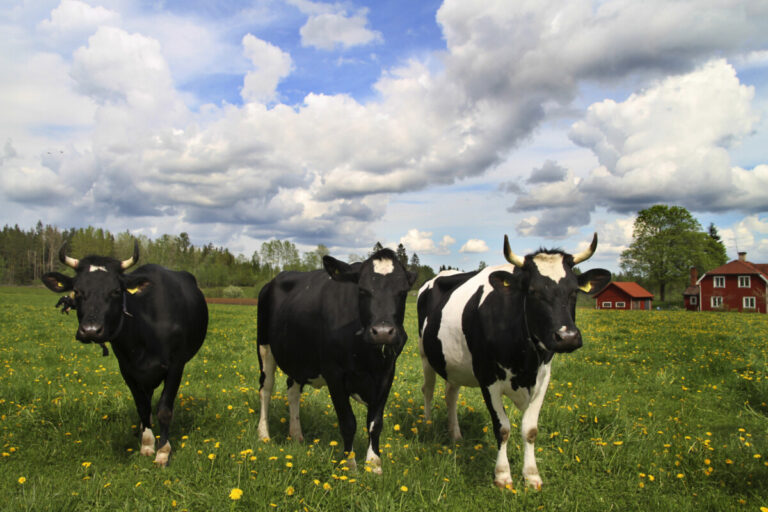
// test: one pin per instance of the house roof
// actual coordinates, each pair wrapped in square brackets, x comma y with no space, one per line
[739,267]
[691,290]
[632,289]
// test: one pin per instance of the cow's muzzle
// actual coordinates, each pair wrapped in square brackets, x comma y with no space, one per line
[383,333]
[566,340]
[89,332]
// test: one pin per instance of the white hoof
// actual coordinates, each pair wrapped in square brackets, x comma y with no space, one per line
[163,454]
[534,481]
[147,442]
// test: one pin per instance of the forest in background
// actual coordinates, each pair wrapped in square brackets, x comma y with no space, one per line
[25,255]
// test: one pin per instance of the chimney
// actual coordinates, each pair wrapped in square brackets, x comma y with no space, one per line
[742,256]
[694,276]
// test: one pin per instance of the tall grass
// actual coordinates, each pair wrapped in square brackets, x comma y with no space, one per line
[658,411]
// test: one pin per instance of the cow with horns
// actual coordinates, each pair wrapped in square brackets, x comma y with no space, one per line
[154,318]
[341,327]
[498,329]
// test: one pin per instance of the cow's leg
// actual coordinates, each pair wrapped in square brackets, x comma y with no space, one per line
[346,417]
[165,412]
[267,366]
[530,427]
[492,395]
[143,401]
[294,397]
[375,426]
[451,397]
[428,389]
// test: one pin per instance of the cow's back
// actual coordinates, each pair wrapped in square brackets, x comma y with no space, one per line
[308,320]
[172,310]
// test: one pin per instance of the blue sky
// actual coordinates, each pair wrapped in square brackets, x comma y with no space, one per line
[439,125]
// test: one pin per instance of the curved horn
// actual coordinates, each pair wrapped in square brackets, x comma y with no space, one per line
[133,259]
[70,262]
[586,254]
[512,257]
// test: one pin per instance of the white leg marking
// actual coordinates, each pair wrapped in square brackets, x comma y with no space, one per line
[268,362]
[428,389]
[161,459]
[451,397]
[530,428]
[372,460]
[147,442]
[502,476]
[294,397]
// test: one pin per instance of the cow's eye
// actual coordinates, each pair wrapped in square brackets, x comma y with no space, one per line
[115,293]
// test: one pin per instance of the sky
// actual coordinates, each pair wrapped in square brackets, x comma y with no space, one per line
[439,125]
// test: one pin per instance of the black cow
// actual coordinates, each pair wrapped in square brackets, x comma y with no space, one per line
[155,319]
[499,329]
[344,331]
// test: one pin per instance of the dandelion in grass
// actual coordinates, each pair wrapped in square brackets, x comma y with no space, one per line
[22,480]
[289,491]
[404,488]
[235,494]
[326,486]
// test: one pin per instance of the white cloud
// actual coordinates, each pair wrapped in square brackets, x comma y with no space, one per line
[330,26]
[748,235]
[272,65]
[473,245]
[75,19]
[421,242]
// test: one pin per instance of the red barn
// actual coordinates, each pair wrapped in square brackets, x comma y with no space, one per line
[623,295]
[739,285]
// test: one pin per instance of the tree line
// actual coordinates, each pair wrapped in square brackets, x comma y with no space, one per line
[25,255]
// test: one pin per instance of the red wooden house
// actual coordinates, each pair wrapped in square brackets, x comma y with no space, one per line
[623,295]
[739,285]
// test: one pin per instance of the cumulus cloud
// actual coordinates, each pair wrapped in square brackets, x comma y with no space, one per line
[326,165]
[421,242]
[271,63]
[330,26]
[666,144]
[473,245]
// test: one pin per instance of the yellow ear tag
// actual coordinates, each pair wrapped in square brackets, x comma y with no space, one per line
[587,286]
[60,285]
[132,290]
[506,283]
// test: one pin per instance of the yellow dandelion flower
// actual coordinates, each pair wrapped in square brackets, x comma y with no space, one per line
[396,427]
[86,465]
[404,488]
[333,443]
[211,456]
[289,490]
[326,486]
[235,494]
[22,479]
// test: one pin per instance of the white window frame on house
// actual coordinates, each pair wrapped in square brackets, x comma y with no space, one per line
[694,300]
[716,301]
[749,303]
[606,305]
[620,305]
[718,281]
[745,282]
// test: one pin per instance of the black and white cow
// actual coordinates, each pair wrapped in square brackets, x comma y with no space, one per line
[154,318]
[498,329]
[341,327]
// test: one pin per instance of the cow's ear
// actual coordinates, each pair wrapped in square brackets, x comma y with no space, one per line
[412,277]
[594,280]
[340,271]
[135,285]
[503,281]
[57,282]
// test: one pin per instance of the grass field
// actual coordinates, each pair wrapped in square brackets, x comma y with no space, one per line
[658,411]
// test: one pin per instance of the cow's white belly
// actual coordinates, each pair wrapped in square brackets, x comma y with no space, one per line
[458,359]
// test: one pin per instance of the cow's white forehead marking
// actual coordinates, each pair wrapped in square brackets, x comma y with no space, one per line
[550,265]
[97,268]
[383,266]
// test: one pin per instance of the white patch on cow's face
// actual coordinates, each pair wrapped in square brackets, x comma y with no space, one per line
[550,265]
[383,266]
[97,268]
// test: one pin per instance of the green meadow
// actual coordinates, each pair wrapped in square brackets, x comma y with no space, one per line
[658,411]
